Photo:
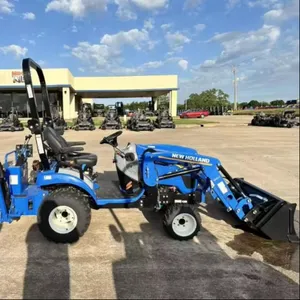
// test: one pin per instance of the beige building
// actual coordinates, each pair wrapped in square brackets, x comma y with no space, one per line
[67,91]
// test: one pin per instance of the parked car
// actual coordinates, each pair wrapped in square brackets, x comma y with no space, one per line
[194,114]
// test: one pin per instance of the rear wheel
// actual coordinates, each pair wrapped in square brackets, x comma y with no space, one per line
[182,222]
[64,215]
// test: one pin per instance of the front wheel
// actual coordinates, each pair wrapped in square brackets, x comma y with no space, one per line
[64,215]
[182,222]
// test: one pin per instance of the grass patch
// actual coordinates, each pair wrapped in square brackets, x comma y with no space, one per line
[266,111]
[192,121]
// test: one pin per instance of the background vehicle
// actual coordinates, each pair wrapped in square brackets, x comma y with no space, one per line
[194,114]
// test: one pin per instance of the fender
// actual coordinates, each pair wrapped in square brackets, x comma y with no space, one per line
[66,176]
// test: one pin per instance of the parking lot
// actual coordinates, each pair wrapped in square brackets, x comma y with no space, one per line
[126,254]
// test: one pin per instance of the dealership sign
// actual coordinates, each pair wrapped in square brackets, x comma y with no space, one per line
[17,76]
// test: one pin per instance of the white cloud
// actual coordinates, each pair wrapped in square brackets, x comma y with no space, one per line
[67,47]
[74,29]
[291,10]
[237,45]
[95,55]
[153,64]
[15,50]
[166,26]
[29,16]
[41,62]
[151,4]
[124,11]
[264,3]
[77,8]
[149,24]
[183,64]
[6,7]
[200,27]
[80,8]
[176,40]
[40,35]
[134,37]
[107,54]
[192,4]
[231,4]
[31,42]
[81,69]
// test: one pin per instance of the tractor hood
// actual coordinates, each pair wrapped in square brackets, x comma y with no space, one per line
[140,148]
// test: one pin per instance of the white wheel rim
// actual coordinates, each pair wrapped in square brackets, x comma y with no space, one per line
[184,224]
[63,219]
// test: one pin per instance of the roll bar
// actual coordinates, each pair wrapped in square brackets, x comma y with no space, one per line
[34,123]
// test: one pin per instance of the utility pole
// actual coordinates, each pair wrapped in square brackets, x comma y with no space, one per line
[235,87]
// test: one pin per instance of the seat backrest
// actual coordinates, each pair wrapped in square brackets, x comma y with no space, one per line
[55,141]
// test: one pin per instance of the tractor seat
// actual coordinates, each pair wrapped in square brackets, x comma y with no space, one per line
[57,144]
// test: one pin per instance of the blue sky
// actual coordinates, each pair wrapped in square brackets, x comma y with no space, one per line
[199,40]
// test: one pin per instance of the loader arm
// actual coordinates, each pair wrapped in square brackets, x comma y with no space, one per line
[260,210]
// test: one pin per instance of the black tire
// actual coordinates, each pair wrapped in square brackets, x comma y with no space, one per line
[12,129]
[73,199]
[76,128]
[174,210]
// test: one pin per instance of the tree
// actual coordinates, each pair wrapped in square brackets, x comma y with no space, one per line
[242,105]
[163,102]
[264,104]
[277,103]
[207,99]
[253,103]
[180,107]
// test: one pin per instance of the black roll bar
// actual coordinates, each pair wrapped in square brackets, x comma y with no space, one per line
[34,124]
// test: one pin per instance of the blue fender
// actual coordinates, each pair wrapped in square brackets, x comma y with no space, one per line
[68,177]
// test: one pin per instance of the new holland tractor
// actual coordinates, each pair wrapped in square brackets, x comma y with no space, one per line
[168,178]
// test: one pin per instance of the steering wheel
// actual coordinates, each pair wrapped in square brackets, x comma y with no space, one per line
[112,139]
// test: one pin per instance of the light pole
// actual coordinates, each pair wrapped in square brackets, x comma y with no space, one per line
[235,87]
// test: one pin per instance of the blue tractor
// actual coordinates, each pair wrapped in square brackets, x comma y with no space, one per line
[167,178]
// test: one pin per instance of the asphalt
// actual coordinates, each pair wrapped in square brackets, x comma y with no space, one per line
[126,253]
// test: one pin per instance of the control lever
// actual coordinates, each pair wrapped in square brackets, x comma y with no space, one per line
[119,151]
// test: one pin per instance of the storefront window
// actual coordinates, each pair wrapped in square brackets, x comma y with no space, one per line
[18,103]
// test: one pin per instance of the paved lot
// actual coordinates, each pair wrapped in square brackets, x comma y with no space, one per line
[126,254]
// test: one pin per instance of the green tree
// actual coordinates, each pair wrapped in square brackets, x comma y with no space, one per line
[207,99]
[163,102]
[264,104]
[180,107]
[277,102]
[242,105]
[253,103]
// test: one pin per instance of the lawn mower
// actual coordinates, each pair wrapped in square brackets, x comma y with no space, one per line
[139,122]
[58,122]
[285,119]
[11,123]
[84,120]
[168,178]
[164,120]
[112,120]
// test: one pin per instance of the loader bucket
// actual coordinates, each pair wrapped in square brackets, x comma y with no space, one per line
[271,215]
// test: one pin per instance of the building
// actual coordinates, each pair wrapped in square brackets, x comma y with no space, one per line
[67,91]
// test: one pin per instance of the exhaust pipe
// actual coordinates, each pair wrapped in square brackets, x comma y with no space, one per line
[271,215]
